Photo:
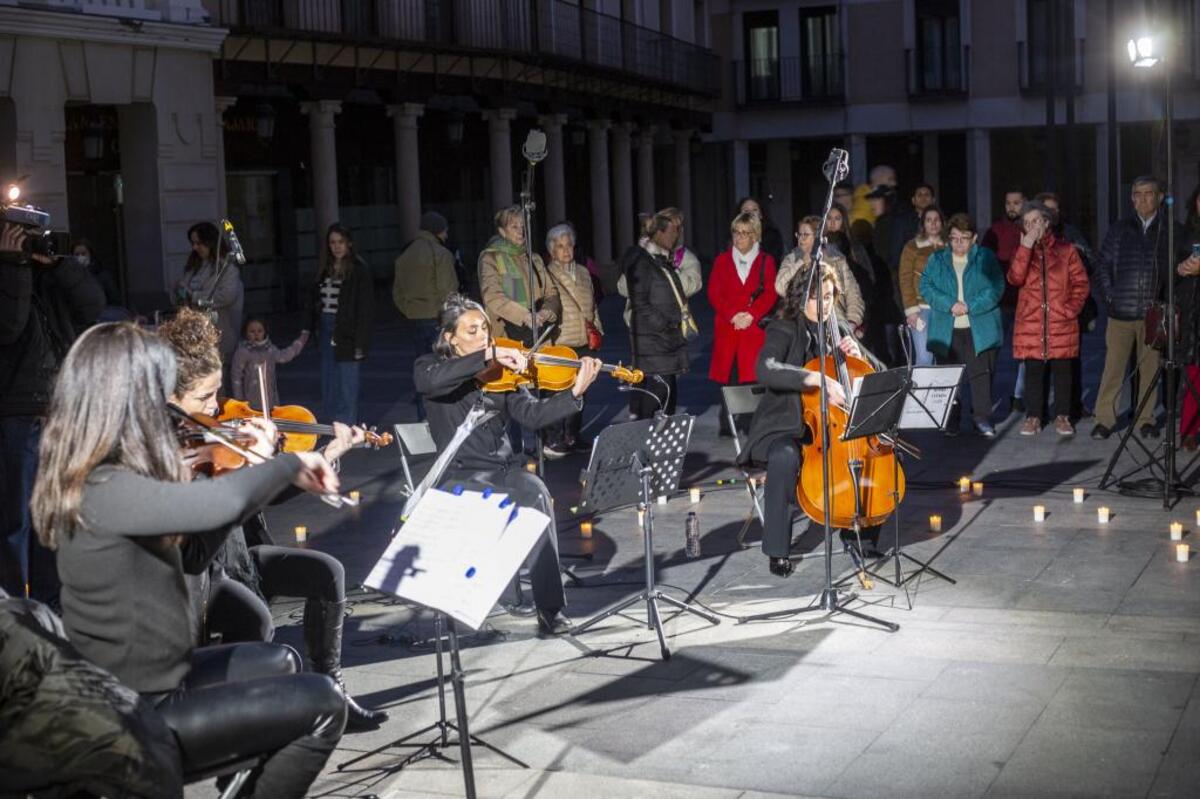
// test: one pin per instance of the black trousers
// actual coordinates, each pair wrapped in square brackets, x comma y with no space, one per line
[526,489]
[663,387]
[247,700]
[238,614]
[980,368]
[1035,386]
[783,468]
[568,430]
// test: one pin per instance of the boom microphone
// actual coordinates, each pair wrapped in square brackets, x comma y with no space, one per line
[534,148]
[235,246]
[837,165]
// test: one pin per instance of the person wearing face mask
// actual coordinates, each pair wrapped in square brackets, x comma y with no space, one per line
[850,305]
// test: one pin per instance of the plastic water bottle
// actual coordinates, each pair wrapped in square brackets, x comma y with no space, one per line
[692,537]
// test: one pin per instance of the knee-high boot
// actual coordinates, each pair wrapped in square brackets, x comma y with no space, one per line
[323,639]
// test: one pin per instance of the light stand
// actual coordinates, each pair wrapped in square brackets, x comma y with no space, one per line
[534,151]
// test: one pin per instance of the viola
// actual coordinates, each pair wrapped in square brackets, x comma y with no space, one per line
[552,367]
[297,424]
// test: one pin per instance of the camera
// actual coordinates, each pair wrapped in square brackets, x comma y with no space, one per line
[39,240]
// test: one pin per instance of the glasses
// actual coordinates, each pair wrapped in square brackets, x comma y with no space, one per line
[961,239]
[742,233]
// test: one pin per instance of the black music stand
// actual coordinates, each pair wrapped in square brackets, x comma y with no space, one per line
[631,464]
[883,404]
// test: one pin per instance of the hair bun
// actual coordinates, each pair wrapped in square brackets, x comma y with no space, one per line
[191,333]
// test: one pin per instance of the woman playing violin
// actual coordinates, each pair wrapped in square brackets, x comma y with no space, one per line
[235,592]
[446,380]
[777,430]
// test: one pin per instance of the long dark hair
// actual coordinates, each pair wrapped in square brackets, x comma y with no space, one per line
[798,293]
[109,406]
[210,237]
[330,266]
[452,310]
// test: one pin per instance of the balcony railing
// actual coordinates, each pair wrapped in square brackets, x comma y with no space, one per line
[800,79]
[934,73]
[526,28]
[1032,76]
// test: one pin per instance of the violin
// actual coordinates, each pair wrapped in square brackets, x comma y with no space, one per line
[297,424]
[552,367]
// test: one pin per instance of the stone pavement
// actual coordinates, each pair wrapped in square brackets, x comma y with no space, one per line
[1063,662]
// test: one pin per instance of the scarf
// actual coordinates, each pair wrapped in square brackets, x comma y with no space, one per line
[744,263]
[508,257]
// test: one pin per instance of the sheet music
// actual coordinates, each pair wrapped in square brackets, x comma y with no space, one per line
[931,396]
[457,552]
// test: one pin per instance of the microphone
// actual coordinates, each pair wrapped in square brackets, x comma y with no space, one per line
[235,246]
[534,148]
[837,165]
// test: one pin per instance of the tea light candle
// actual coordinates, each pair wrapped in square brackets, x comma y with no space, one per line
[355,495]
[641,519]
[662,499]
[531,467]
[1102,515]
[585,529]
[977,488]
[1079,495]
[1198,517]
[935,524]
[1176,531]
[1182,553]
[301,534]
[1039,513]
[964,485]
[694,493]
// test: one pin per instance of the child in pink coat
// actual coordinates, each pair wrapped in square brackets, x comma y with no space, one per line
[256,348]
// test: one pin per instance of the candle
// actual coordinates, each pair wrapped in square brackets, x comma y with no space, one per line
[585,529]
[641,519]
[1182,553]
[977,488]
[301,534]
[1039,513]
[354,495]
[694,493]
[1102,515]
[1176,531]
[1198,517]
[531,467]
[662,499]
[1079,495]
[935,523]
[964,485]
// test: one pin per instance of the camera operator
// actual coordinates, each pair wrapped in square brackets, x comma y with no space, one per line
[45,301]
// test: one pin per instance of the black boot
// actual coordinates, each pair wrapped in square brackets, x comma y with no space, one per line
[323,640]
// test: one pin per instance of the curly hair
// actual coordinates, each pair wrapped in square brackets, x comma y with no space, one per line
[194,338]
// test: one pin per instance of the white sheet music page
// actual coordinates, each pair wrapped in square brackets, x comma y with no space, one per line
[457,552]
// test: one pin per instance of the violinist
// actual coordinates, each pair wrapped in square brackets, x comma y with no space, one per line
[234,594]
[117,503]
[446,380]
[777,430]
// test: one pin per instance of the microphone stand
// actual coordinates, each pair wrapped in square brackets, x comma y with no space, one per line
[527,208]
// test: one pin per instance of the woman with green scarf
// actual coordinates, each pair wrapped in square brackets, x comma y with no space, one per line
[505,281]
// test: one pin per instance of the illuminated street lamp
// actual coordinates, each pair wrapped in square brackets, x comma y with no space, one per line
[1141,52]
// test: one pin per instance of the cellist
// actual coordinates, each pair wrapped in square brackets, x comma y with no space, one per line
[778,431]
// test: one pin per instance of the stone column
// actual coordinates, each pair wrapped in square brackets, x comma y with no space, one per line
[1103,164]
[741,169]
[683,171]
[500,148]
[929,162]
[979,175]
[858,158]
[646,169]
[408,166]
[622,185]
[552,168]
[223,104]
[601,202]
[324,164]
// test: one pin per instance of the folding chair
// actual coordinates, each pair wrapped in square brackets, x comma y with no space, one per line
[743,401]
[413,439]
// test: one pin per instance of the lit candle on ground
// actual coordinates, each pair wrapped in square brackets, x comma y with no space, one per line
[301,534]
[1198,517]
[1039,513]
[641,519]
[355,495]
[1102,515]
[585,529]
[977,488]
[1176,531]
[964,485]
[662,499]
[935,524]
[531,467]
[1079,495]
[1182,553]
[695,494]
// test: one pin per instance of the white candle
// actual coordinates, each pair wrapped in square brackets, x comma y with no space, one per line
[662,499]
[1102,515]
[1079,495]
[531,467]
[585,529]
[301,534]
[695,494]
[935,523]
[641,519]
[977,488]
[1039,513]
[1176,531]
[1198,517]
[964,485]
[354,495]
[1182,553]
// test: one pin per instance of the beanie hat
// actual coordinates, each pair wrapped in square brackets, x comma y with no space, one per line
[434,222]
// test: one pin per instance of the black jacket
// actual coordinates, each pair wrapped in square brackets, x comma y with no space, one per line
[356,311]
[658,345]
[1134,267]
[450,390]
[42,310]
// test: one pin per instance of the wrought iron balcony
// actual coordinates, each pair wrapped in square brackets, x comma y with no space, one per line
[801,79]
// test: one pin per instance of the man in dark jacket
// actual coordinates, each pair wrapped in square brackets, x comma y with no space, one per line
[44,303]
[1132,270]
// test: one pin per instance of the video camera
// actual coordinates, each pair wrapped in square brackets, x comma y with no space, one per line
[39,239]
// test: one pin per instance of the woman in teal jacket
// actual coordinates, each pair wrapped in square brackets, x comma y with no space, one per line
[963,284]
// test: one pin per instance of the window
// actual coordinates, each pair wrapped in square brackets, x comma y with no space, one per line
[1050,41]
[820,52]
[762,55]
[939,47]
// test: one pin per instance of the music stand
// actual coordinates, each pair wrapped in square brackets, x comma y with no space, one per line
[881,405]
[631,464]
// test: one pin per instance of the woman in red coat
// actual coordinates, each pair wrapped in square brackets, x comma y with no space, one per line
[741,290]
[1052,288]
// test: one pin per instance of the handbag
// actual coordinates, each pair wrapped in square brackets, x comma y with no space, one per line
[687,325]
